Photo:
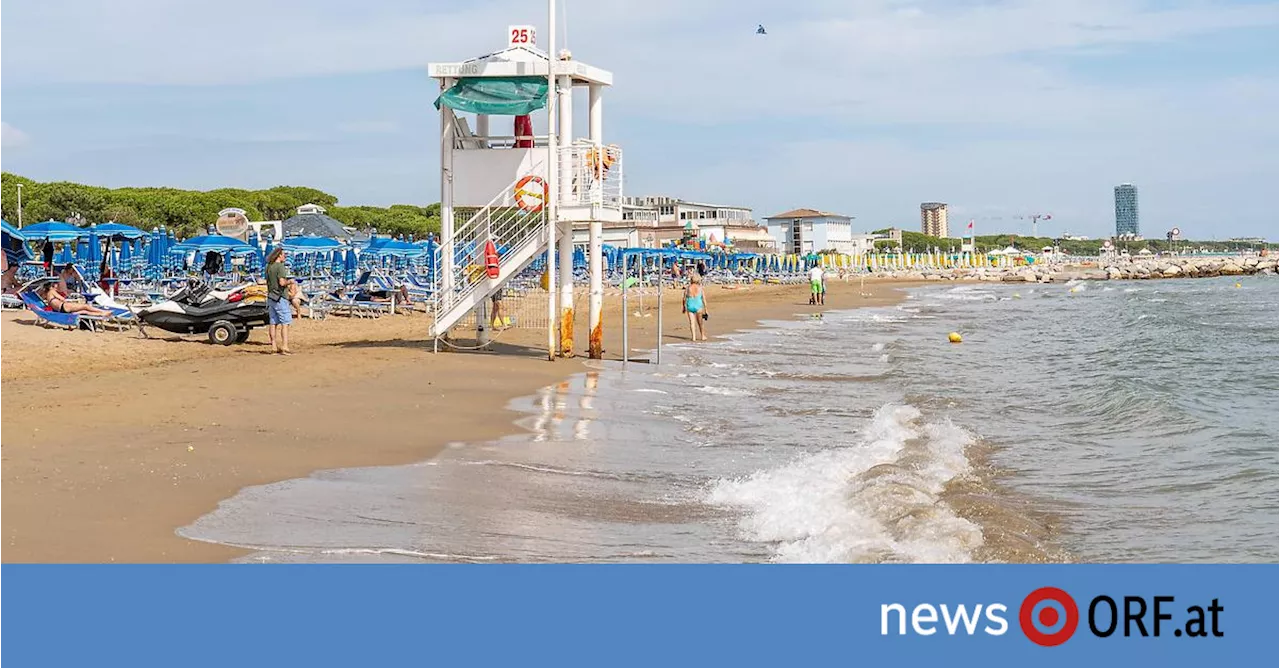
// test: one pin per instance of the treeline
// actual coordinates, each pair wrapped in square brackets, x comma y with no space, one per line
[922,242]
[190,212]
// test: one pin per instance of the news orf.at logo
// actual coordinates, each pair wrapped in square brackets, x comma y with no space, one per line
[1048,616]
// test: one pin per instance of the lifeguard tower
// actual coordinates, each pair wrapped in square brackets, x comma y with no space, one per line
[501,181]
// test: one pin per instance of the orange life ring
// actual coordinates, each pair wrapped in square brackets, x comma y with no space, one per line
[491,259]
[522,193]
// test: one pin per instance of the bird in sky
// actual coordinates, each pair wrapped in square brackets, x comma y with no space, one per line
[760,30]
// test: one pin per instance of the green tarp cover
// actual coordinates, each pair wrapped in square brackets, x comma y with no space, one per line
[499,96]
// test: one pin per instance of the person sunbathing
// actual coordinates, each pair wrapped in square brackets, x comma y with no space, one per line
[383,296]
[56,302]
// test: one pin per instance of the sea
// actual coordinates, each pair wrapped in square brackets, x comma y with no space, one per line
[1103,421]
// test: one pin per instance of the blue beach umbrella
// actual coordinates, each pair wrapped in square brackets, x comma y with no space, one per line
[13,242]
[384,247]
[213,242]
[125,259]
[116,230]
[350,265]
[153,248]
[53,231]
[95,249]
[311,244]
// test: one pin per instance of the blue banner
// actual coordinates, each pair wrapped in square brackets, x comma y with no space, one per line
[563,615]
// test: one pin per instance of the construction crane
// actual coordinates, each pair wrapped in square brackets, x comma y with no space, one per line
[1035,219]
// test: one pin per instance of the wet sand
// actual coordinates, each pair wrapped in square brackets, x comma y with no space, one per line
[111,442]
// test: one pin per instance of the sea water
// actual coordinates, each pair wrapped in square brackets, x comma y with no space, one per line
[1103,421]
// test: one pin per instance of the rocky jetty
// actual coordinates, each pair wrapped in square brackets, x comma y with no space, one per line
[1119,269]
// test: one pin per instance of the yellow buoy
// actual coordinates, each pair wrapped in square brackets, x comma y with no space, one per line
[1237,285]
[954,337]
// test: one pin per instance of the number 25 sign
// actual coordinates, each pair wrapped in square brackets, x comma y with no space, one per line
[520,36]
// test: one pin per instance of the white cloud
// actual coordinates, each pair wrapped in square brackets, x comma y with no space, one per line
[11,137]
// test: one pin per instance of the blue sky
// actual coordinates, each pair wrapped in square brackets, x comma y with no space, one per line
[865,107]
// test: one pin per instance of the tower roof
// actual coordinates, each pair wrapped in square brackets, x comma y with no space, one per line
[806,213]
[520,61]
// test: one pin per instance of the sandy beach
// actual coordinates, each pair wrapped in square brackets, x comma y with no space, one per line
[111,442]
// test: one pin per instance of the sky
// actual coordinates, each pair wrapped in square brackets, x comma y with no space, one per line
[1002,109]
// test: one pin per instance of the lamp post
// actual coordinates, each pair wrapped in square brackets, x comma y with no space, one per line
[19,205]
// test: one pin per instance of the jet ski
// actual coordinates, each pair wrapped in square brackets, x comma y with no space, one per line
[226,316]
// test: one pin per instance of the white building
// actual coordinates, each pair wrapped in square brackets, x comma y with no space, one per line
[802,231]
[650,222]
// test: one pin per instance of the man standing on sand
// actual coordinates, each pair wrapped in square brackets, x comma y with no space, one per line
[817,285]
[279,306]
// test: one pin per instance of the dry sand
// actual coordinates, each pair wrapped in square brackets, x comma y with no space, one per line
[111,442]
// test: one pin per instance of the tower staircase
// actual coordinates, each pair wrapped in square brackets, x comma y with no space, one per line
[521,235]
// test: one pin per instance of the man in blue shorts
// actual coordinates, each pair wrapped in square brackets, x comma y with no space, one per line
[279,308]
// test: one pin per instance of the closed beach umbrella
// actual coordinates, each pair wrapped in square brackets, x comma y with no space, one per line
[350,265]
[95,250]
[66,256]
[153,248]
[125,261]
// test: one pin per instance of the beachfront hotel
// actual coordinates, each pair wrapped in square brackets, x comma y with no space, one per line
[802,231]
[1126,210]
[650,222]
[933,219]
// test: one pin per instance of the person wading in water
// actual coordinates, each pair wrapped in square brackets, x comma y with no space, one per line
[695,304]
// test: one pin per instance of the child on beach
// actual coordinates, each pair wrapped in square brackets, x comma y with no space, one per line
[695,304]
[499,318]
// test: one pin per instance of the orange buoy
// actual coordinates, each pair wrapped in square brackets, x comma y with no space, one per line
[531,200]
[491,259]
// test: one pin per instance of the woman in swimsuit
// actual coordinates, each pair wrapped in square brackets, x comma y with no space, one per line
[695,304]
[59,304]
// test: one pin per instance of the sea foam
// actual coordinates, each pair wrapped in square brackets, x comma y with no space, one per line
[875,499]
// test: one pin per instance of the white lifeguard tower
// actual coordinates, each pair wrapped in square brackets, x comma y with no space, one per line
[500,181]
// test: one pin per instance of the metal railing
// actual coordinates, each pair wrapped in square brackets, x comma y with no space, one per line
[595,175]
[511,227]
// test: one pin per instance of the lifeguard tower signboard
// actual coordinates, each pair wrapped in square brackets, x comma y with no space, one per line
[520,36]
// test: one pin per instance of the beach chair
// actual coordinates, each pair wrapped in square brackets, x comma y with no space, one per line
[420,288]
[45,316]
[357,308]
[466,138]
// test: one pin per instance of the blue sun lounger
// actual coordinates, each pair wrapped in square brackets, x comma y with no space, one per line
[58,319]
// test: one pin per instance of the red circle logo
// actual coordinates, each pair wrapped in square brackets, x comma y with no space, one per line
[1048,616]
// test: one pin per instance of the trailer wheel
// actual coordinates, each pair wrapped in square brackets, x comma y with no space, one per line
[242,335]
[222,333]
